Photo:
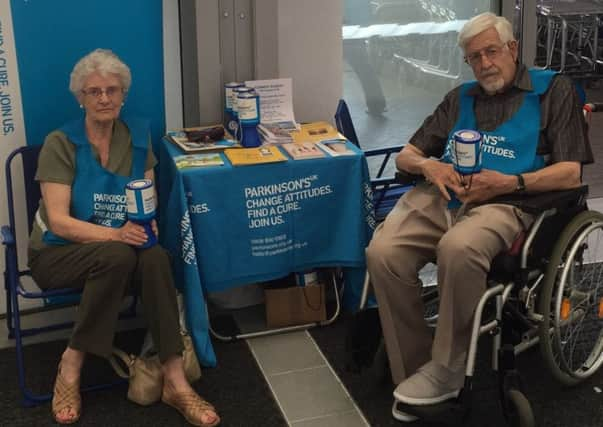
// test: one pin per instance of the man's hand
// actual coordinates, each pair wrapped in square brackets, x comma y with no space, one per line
[485,185]
[443,176]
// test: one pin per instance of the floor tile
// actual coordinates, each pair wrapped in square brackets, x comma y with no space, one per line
[310,393]
[286,352]
[596,204]
[347,419]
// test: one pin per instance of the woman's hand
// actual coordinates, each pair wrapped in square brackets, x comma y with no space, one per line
[154,228]
[132,234]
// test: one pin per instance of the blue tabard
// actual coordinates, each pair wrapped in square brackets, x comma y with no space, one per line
[511,148]
[97,195]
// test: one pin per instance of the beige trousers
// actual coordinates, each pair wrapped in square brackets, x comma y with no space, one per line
[420,229]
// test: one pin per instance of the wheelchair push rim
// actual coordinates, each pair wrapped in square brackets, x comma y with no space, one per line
[571,301]
[583,305]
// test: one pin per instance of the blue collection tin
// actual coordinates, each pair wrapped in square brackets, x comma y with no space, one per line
[248,108]
[248,104]
[140,197]
[235,97]
[229,89]
[230,120]
[140,200]
[467,151]
[233,125]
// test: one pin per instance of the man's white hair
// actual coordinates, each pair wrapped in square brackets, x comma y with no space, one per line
[481,23]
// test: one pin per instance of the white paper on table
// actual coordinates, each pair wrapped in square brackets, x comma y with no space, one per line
[276,99]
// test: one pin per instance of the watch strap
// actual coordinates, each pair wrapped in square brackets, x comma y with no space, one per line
[521,185]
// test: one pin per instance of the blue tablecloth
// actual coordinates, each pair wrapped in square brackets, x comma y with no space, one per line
[227,226]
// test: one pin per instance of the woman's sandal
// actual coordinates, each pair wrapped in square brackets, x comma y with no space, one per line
[66,396]
[192,407]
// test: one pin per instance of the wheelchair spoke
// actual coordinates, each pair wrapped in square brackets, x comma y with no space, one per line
[582,329]
[573,319]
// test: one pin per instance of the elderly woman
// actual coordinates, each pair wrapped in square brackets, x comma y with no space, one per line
[82,239]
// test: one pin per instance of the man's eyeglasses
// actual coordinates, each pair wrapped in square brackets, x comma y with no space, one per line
[97,92]
[491,52]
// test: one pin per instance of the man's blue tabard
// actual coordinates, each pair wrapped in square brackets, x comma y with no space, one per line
[511,147]
[97,195]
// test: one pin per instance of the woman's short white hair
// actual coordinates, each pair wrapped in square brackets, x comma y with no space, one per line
[102,61]
[481,23]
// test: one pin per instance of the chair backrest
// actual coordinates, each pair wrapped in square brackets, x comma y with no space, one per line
[29,159]
[344,124]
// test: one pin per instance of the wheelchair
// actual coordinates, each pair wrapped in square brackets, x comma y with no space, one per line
[547,290]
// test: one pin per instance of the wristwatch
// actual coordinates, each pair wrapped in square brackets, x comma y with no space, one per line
[521,185]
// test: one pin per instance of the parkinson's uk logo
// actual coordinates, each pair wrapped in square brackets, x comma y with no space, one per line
[188,244]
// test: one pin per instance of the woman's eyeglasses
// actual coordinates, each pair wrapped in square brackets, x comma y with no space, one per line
[97,92]
[491,52]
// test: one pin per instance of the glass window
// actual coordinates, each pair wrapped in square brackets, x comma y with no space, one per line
[400,59]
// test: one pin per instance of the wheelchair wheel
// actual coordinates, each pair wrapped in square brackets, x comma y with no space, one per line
[518,410]
[571,301]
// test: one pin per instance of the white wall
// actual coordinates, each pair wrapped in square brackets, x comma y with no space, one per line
[302,40]
[171,66]
[310,51]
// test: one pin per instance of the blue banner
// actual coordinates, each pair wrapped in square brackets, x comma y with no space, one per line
[51,36]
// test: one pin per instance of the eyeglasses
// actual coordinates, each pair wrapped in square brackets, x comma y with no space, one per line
[491,52]
[97,92]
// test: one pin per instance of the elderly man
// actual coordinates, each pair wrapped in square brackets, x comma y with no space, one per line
[534,140]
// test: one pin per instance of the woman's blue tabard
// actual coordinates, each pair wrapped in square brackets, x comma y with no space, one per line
[97,195]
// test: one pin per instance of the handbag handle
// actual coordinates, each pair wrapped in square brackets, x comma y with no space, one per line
[118,356]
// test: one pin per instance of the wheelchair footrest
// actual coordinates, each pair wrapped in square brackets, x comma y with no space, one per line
[452,409]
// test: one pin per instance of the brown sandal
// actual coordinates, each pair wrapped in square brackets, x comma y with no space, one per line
[191,406]
[66,396]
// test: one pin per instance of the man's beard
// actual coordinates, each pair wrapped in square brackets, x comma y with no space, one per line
[491,87]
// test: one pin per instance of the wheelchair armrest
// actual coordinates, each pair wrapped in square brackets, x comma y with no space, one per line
[8,239]
[539,202]
[384,181]
[406,178]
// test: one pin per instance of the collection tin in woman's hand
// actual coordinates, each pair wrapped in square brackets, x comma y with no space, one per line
[140,196]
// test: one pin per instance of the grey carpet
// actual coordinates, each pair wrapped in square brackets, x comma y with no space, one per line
[236,387]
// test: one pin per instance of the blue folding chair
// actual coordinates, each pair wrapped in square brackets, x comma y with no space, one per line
[13,274]
[386,190]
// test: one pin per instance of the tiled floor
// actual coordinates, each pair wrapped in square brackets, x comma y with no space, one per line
[304,385]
